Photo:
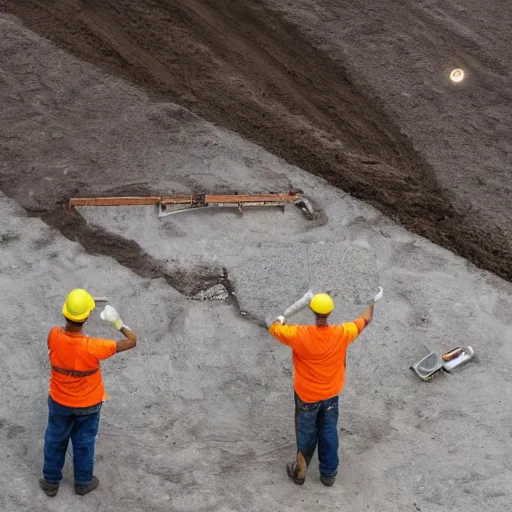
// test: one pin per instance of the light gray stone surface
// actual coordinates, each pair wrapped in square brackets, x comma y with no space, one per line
[200,415]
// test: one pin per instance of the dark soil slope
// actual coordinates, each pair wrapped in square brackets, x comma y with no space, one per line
[241,65]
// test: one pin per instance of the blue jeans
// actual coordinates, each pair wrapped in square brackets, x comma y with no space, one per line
[81,426]
[316,423]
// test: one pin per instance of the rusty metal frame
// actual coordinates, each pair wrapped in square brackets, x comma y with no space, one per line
[172,204]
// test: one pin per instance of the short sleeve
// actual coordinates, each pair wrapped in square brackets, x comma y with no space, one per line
[286,334]
[49,339]
[100,348]
[350,331]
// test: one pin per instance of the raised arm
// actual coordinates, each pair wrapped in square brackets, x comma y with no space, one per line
[367,314]
[286,334]
[129,342]
[351,330]
[111,315]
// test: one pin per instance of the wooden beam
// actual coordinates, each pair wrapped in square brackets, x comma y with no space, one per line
[193,199]
[112,201]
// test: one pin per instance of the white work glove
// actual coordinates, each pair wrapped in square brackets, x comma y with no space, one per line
[379,295]
[109,314]
[281,319]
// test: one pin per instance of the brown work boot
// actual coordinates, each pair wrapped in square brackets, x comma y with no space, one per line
[82,491]
[328,481]
[297,470]
[49,488]
[291,469]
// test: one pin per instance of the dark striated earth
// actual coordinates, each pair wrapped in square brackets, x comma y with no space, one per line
[269,71]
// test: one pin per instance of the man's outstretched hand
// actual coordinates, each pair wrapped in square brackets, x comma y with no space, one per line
[109,314]
[368,312]
[280,320]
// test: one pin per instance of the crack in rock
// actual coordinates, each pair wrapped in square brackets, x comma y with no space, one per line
[200,282]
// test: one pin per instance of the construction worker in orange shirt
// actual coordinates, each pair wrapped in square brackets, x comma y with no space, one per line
[319,360]
[76,391]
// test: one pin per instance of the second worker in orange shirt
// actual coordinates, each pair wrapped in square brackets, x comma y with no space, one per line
[77,392]
[319,360]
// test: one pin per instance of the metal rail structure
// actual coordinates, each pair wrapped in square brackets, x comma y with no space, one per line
[171,204]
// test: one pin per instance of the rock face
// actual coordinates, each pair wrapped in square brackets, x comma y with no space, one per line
[345,270]
[200,415]
[355,92]
[216,292]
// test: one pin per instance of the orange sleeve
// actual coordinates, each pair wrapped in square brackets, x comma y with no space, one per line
[101,349]
[50,336]
[351,330]
[286,334]
[361,323]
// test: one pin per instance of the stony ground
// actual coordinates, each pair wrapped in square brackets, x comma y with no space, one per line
[200,415]
[357,94]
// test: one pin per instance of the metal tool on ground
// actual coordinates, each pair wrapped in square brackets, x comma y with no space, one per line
[171,204]
[433,363]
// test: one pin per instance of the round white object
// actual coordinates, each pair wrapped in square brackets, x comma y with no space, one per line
[457,75]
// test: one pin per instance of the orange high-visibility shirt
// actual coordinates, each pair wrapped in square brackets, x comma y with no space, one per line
[318,356]
[76,379]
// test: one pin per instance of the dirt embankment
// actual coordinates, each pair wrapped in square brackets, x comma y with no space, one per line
[241,66]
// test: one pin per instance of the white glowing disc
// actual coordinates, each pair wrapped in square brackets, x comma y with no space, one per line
[457,75]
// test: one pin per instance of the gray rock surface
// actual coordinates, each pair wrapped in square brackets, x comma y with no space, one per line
[200,415]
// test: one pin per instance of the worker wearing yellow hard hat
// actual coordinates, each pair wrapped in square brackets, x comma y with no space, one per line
[322,304]
[78,305]
[76,391]
[319,355]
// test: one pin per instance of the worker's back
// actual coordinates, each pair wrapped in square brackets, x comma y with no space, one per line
[76,379]
[319,355]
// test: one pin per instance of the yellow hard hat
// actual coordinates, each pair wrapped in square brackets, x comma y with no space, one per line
[322,304]
[78,305]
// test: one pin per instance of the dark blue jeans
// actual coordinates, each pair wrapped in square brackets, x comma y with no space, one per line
[317,423]
[81,426]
